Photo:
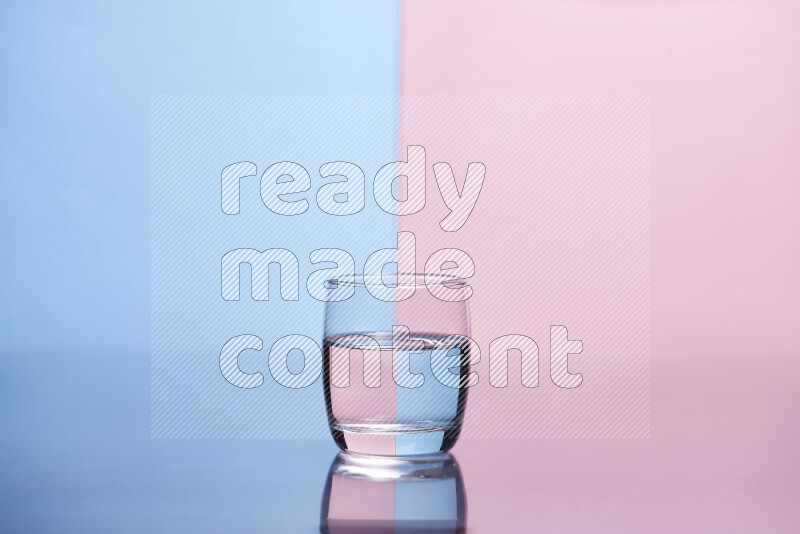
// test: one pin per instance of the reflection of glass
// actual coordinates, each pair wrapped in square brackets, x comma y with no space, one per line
[396,363]
[379,495]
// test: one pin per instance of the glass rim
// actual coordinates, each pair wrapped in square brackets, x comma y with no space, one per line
[395,280]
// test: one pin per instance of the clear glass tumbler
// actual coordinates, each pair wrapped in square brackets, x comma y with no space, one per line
[396,362]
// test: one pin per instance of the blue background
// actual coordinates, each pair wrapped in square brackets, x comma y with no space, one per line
[194,138]
[75,454]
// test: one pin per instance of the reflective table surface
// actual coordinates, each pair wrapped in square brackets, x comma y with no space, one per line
[77,457]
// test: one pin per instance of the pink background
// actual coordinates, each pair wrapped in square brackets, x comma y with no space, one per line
[723,82]
[559,236]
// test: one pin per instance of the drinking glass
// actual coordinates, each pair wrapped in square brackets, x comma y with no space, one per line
[396,362]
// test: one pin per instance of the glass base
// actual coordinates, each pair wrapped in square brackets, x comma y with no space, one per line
[394,440]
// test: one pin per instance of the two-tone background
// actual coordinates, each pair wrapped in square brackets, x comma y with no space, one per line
[641,190]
